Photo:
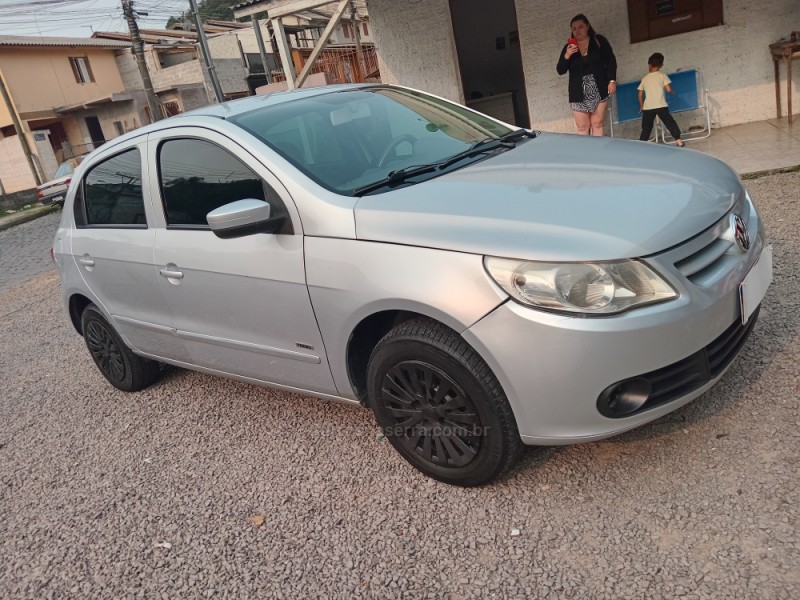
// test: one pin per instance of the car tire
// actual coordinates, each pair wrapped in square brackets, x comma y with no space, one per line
[124,370]
[440,406]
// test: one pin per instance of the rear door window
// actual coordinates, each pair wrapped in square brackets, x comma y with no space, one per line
[112,192]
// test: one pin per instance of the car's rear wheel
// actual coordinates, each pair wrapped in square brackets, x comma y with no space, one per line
[440,405]
[123,369]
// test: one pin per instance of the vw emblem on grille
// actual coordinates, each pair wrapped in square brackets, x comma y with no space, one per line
[740,233]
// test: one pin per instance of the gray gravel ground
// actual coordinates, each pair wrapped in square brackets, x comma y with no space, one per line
[96,483]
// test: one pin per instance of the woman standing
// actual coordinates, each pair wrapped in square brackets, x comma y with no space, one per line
[592,70]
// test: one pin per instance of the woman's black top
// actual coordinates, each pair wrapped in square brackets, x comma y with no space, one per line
[599,61]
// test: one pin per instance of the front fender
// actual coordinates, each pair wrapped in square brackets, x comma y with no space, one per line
[350,280]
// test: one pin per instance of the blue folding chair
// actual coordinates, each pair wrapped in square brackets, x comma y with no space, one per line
[688,96]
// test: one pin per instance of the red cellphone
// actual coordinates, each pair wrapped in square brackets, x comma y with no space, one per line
[573,41]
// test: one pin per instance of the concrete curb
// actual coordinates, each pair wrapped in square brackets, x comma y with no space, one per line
[765,172]
[24,217]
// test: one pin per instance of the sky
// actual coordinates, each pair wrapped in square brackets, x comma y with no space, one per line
[79,18]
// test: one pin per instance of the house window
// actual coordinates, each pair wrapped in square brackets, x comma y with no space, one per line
[171,108]
[652,19]
[118,127]
[364,26]
[346,30]
[81,69]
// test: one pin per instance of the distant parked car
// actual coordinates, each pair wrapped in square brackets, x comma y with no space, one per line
[55,190]
[478,286]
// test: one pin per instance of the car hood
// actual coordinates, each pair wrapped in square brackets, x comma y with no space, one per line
[559,197]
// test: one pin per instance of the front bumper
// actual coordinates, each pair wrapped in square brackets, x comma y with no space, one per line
[554,368]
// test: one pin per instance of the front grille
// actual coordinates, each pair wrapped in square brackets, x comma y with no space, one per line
[713,254]
[683,377]
[706,258]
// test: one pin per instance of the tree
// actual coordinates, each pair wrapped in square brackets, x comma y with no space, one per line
[211,9]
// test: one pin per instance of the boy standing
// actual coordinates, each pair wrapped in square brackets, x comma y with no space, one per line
[653,103]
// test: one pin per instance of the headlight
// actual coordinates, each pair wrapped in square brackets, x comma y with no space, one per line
[585,288]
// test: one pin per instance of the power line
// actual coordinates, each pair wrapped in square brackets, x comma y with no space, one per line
[46,16]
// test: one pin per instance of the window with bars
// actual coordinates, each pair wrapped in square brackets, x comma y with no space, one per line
[81,69]
[653,19]
[171,108]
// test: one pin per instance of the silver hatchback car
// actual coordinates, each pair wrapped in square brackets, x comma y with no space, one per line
[479,287]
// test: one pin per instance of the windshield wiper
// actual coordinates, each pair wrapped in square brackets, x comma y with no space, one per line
[478,147]
[396,176]
[518,133]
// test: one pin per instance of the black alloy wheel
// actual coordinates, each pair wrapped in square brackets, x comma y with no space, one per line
[118,364]
[433,416]
[440,406]
[105,351]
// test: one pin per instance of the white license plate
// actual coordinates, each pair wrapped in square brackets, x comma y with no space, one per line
[754,286]
[58,199]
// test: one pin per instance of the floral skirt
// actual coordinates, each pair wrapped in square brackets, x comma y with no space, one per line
[591,96]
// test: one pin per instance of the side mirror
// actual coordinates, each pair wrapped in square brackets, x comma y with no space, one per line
[243,217]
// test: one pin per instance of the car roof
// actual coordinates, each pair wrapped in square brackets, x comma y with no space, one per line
[232,108]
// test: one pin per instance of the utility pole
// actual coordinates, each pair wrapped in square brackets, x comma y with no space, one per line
[359,52]
[261,50]
[20,134]
[138,52]
[201,35]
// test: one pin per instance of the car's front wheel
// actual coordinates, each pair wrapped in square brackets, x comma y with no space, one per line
[440,405]
[123,369]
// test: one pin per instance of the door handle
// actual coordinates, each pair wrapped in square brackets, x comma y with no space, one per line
[86,261]
[170,274]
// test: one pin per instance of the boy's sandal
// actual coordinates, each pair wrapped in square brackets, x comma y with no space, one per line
[681,145]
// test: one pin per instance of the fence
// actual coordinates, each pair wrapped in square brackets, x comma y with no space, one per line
[341,64]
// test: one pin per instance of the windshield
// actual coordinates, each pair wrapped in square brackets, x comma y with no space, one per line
[63,170]
[351,139]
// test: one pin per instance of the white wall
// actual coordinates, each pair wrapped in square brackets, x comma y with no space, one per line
[734,57]
[415,46]
[14,170]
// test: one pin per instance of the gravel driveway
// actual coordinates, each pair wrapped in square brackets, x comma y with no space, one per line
[160,494]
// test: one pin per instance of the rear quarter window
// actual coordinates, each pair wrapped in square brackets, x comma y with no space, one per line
[111,193]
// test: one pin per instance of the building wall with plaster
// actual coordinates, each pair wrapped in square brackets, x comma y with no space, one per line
[15,174]
[415,45]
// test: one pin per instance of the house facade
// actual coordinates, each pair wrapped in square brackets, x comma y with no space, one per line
[176,68]
[310,23]
[501,55]
[69,98]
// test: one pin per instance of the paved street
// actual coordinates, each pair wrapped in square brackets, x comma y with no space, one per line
[160,494]
[25,249]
